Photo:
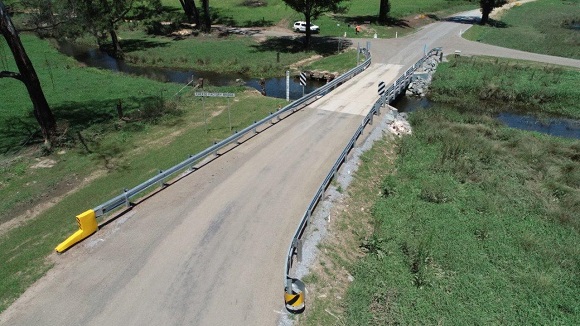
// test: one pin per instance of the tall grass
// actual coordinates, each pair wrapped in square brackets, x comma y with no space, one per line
[475,223]
[479,225]
[547,26]
[501,84]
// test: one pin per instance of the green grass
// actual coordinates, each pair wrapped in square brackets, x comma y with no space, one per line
[81,95]
[230,54]
[545,26]
[231,12]
[503,83]
[476,223]
[479,225]
[337,63]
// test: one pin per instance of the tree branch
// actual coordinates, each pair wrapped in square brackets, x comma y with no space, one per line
[11,74]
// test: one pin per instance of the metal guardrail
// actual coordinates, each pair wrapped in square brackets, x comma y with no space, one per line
[296,245]
[124,198]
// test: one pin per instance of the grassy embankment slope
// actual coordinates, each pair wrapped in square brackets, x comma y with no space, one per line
[544,26]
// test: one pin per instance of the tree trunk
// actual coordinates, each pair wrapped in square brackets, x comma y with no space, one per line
[307,19]
[27,75]
[191,12]
[384,9]
[486,8]
[117,50]
[484,17]
[206,16]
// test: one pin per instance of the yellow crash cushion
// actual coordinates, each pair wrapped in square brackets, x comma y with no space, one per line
[87,222]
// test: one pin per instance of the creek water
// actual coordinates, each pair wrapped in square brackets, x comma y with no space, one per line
[275,87]
[560,127]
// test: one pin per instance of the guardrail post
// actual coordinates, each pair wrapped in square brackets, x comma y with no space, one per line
[161,183]
[288,286]
[299,250]
[127,202]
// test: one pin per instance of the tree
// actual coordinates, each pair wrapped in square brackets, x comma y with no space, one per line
[384,9]
[312,9]
[486,8]
[207,17]
[191,12]
[100,18]
[27,75]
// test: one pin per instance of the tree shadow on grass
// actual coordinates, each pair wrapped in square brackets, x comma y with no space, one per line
[391,21]
[324,45]
[218,17]
[131,45]
[470,20]
[73,117]
[18,132]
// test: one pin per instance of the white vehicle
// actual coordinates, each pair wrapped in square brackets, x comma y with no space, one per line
[301,27]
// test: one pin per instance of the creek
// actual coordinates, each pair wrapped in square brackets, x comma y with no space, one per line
[275,87]
[560,127]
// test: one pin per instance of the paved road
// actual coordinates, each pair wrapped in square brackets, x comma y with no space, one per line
[396,51]
[210,249]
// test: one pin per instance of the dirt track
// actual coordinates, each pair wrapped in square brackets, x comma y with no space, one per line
[210,249]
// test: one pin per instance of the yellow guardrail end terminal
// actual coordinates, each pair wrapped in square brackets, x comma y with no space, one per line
[294,297]
[87,222]
[294,300]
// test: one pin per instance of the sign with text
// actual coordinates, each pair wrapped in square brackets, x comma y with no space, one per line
[206,94]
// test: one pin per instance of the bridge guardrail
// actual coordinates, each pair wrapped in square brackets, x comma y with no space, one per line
[124,199]
[294,289]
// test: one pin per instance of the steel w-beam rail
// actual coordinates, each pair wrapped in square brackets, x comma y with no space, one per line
[124,199]
[294,289]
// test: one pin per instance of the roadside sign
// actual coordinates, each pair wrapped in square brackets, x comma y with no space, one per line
[206,94]
[381,88]
[302,79]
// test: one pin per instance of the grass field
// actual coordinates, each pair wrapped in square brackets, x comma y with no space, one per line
[211,53]
[544,26]
[492,85]
[474,222]
[478,225]
[230,54]
[78,94]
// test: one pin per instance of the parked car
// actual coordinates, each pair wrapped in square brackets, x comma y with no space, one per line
[300,26]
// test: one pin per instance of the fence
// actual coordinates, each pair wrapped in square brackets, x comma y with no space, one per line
[293,287]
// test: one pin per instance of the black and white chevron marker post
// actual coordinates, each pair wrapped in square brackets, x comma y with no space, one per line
[382,91]
[303,81]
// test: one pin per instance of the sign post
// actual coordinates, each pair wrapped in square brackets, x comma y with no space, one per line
[287,85]
[206,94]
